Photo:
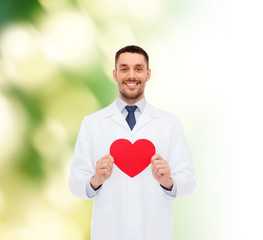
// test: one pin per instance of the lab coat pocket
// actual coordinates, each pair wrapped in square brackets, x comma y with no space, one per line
[103,224]
[159,223]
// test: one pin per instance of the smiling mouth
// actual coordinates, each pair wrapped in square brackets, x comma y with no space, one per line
[132,84]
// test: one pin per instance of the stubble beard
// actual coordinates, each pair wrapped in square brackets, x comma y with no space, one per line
[131,96]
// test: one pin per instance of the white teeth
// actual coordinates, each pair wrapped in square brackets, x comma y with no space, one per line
[131,84]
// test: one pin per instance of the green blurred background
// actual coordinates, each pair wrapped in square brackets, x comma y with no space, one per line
[56,62]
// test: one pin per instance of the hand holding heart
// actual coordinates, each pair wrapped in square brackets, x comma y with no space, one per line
[132,159]
[103,171]
[161,171]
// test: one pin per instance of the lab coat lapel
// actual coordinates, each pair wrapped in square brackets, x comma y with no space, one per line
[149,114]
[114,113]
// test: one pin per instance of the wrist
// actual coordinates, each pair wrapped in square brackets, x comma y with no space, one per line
[169,184]
[95,182]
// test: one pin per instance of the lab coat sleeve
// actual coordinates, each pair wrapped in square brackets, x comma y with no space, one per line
[181,165]
[82,167]
[170,193]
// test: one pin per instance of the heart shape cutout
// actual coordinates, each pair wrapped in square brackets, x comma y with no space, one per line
[130,158]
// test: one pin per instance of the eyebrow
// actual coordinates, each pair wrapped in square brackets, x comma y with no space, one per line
[136,65]
[123,65]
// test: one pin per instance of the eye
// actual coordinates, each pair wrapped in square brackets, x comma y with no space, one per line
[139,69]
[124,69]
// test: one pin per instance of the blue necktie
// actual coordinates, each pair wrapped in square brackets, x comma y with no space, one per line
[130,117]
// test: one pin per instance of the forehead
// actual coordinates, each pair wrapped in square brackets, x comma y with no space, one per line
[128,58]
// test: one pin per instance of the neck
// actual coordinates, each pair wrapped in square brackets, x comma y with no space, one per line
[131,101]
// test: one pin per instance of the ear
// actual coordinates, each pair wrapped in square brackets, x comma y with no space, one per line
[114,73]
[148,75]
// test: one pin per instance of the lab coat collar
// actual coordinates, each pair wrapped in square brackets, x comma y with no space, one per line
[150,113]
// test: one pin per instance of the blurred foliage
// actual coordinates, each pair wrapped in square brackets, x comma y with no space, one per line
[56,61]
[13,10]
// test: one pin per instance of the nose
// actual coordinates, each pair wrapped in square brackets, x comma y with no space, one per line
[132,74]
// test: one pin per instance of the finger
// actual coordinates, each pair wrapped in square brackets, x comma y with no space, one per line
[110,167]
[101,171]
[158,172]
[111,157]
[106,160]
[106,156]
[108,172]
[106,163]
[110,162]
[161,166]
[155,157]
[154,170]
[104,171]
[106,166]
[102,165]
[158,156]
[163,171]
[156,162]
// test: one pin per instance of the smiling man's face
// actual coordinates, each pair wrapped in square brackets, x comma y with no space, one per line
[131,74]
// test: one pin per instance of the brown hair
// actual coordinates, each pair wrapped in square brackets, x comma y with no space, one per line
[132,49]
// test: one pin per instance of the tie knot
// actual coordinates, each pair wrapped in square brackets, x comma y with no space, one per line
[131,108]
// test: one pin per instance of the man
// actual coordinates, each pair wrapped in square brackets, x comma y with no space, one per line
[137,207]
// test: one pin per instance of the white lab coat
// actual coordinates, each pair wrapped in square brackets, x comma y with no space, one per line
[131,208]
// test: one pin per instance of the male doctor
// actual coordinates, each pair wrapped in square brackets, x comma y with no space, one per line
[125,207]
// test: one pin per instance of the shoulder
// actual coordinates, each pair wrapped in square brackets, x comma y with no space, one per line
[162,113]
[102,113]
[168,120]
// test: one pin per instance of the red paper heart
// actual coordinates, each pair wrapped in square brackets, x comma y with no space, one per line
[130,158]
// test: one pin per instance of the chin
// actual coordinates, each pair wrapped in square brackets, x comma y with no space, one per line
[132,96]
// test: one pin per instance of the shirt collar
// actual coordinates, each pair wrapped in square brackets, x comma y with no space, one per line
[122,104]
